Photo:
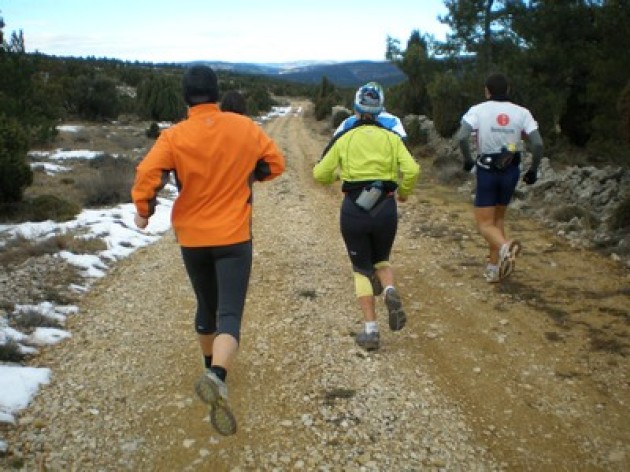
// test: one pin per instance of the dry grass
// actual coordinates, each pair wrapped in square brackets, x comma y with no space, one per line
[19,249]
[128,142]
[28,320]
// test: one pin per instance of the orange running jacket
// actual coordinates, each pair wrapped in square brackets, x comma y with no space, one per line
[213,155]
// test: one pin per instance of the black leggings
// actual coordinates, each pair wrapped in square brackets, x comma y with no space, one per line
[219,277]
[369,237]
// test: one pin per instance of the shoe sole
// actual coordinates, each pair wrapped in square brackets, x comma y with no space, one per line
[221,417]
[397,316]
[370,345]
[508,263]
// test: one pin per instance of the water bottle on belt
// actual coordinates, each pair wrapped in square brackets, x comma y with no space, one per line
[370,195]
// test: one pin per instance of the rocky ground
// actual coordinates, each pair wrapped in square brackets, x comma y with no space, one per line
[531,374]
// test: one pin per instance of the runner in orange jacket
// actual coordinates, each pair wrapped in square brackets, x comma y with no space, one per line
[215,156]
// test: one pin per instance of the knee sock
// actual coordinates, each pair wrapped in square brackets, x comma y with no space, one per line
[207,360]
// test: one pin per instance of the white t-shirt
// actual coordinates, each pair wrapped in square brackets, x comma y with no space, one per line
[499,124]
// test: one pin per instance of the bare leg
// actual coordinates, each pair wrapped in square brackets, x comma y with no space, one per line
[224,350]
[490,223]
[206,342]
[385,275]
[367,307]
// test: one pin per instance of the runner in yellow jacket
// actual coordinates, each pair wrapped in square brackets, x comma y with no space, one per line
[215,157]
[369,159]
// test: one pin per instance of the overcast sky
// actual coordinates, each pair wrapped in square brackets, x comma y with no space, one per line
[261,31]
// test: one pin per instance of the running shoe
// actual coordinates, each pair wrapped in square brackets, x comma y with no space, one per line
[369,341]
[377,286]
[492,274]
[397,317]
[507,258]
[213,391]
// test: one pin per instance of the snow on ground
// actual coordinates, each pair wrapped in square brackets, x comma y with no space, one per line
[19,384]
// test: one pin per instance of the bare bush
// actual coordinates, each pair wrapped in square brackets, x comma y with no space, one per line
[111,184]
[10,352]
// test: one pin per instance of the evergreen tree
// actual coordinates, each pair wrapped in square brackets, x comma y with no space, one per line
[159,98]
[15,173]
[415,63]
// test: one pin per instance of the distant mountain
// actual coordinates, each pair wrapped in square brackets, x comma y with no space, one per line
[342,74]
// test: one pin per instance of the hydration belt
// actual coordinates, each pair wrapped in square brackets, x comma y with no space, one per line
[498,161]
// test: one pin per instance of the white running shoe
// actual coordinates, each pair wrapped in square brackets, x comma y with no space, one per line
[507,258]
[213,391]
[491,274]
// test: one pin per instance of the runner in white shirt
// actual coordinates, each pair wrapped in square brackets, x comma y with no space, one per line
[500,126]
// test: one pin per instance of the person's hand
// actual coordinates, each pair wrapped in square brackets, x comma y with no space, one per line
[531,176]
[402,199]
[140,221]
[468,165]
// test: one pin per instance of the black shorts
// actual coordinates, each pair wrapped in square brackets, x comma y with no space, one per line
[220,277]
[368,236]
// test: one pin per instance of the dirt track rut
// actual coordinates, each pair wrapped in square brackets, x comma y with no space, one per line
[531,374]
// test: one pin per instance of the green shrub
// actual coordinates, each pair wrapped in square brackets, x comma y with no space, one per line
[339,114]
[623,106]
[160,98]
[448,104]
[416,135]
[51,207]
[153,131]
[15,173]
[96,98]
[323,107]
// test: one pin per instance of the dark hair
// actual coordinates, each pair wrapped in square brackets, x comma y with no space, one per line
[497,85]
[235,102]
[200,85]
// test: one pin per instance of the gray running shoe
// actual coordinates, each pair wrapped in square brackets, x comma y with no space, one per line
[491,273]
[213,391]
[377,286]
[369,341]
[397,316]
[507,258]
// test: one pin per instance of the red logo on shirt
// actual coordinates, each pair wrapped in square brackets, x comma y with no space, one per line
[503,119]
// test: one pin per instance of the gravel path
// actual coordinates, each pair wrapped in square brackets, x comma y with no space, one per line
[470,384]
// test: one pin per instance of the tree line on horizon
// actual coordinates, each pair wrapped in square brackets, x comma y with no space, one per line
[37,92]
[566,60]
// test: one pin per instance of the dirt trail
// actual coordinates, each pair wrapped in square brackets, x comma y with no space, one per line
[531,374]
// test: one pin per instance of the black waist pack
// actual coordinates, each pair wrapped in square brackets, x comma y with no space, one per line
[499,161]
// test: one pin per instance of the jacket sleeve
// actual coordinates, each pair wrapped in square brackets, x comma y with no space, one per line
[151,176]
[324,170]
[271,163]
[409,169]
